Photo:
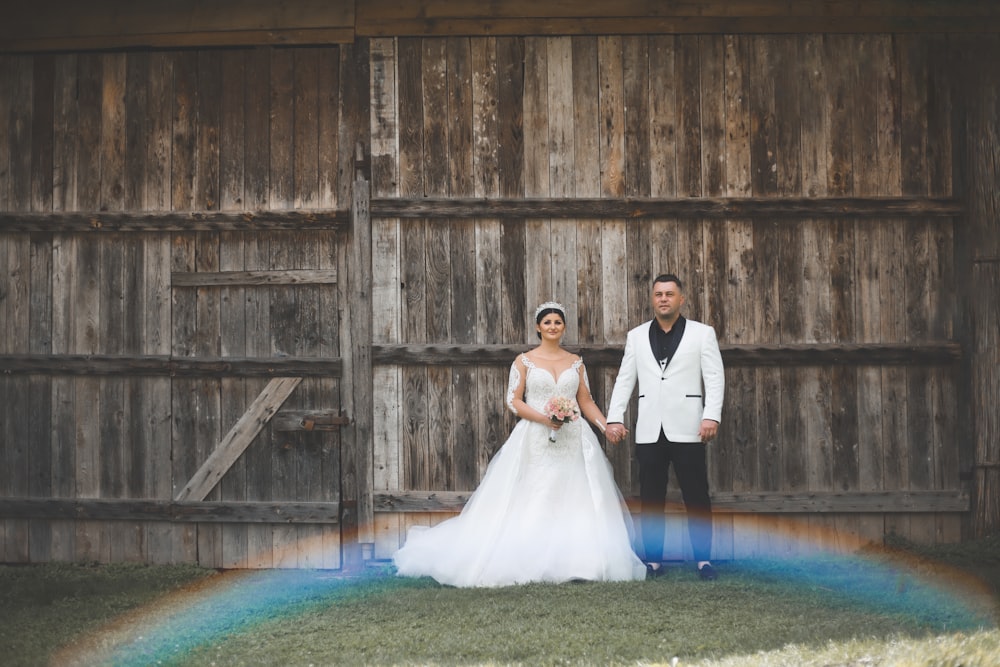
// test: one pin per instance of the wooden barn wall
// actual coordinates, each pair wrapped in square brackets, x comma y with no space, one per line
[510,117]
[251,129]
[674,116]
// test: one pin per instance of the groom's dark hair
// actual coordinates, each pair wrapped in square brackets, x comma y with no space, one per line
[668,278]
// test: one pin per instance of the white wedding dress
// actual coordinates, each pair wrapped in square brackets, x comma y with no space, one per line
[544,512]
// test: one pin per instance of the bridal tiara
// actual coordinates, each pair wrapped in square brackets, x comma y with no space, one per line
[550,304]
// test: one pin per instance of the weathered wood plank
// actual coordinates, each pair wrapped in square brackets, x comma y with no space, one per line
[175,221]
[74,86]
[386,380]
[121,509]
[309,420]
[790,207]
[414,441]
[20,128]
[356,397]
[464,292]
[258,459]
[168,365]
[742,323]
[244,278]
[232,298]
[377,19]
[184,24]
[283,254]
[901,502]
[479,446]
[437,257]
[238,438]
[764,354]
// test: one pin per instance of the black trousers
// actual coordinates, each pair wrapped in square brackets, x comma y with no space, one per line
[691,469]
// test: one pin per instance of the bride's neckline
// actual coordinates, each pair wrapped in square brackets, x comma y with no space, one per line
[531,363]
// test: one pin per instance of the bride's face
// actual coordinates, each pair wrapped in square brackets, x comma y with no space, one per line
[551,327]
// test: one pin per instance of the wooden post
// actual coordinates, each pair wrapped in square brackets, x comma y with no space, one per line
[357,519]
[977,268]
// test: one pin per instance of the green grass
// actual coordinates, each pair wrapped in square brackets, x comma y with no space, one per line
[888,608]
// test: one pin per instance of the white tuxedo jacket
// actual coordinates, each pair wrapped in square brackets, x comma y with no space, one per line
[677,398]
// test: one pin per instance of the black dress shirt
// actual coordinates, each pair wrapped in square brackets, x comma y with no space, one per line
[664,343]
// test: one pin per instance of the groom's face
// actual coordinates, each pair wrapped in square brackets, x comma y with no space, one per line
[667,300]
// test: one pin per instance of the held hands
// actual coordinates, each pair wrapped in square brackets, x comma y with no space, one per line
[615,433]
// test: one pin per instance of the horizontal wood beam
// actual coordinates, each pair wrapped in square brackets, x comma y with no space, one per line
[441,207]
[674,25]
[731,503]
[71,25]
[112,24]
[111,365]
[807,354]
[303,220]
[253,278]
[309,420]
[547,17]
[688,207]
[163,510]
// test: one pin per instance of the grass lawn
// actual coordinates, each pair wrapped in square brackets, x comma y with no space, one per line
[909,607]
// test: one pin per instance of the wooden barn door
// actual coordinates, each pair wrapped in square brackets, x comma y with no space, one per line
[258,437]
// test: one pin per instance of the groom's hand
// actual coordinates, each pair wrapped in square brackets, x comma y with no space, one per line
[616,432]
[709,429]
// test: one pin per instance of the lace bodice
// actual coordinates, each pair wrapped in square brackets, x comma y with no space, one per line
[540,385]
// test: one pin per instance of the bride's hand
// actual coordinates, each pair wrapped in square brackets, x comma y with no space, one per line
[615,432]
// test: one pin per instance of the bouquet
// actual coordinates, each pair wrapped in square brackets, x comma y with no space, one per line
[561,410]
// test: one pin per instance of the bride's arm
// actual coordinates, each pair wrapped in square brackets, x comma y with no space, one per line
[515,395]
[588,408]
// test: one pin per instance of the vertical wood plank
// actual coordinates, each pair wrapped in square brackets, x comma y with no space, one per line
[538,238]
[257,310]
[283,301]
[920,281]
[489,277]
[153,453]
[36,253]
[137,86]
[329,302]
[465,433]
[763,68]
[415,441]
[740,263]
[207,334]
[511,106]
[310,449]
[356,315]
[437,137]
[85,293]
[714,252]
[14,266]
[562,136]
[385,289]
[233,325]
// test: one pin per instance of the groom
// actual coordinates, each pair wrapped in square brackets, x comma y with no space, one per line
[678,366]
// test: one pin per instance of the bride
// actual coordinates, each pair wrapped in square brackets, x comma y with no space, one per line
[547,508]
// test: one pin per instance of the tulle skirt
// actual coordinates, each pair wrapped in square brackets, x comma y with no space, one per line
[544,512]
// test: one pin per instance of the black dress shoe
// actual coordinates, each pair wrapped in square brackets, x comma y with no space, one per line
[653,572]
[707,572]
